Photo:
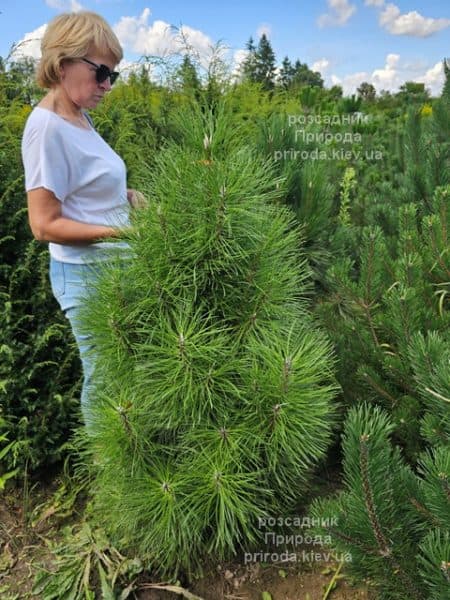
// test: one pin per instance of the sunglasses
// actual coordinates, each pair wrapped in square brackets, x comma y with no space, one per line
[102,72]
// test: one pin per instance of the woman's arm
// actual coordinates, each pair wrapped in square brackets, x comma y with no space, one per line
[47,224]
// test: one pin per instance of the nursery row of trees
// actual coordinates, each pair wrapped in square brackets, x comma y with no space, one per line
[291,284]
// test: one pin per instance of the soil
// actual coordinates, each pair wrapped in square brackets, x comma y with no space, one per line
[30,521]
[298,583]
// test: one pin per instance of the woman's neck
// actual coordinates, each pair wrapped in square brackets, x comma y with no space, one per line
[58,101]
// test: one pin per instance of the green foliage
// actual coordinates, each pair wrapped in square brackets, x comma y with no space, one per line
[84,561]
[367,92]
[446,90]
[411,92]
[286,73]
[133,118]
[348,184]
[434,564]
[196,376]
[215,388]
[259,65]
[264,63]
[303,76]
[350,104]
[188,78]
[38,367]
[308,189]
[394,523]
[388,314]
[9,448]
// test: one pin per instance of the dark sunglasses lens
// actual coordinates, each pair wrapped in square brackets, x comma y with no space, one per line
[102,73]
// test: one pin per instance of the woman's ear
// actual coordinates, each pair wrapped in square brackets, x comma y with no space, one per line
[61,70]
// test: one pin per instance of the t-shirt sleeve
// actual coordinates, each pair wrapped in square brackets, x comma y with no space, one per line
[45,159]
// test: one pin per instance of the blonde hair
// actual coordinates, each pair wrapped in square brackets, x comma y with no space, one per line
[74,35]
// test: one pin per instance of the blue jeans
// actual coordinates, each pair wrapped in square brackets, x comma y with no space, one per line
[71,283]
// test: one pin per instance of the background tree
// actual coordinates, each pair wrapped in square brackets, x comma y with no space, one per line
[302,76]
[248,68]
[187,79]
[411,91]
[366,92]
[265,64]
[446,89]
[285,74]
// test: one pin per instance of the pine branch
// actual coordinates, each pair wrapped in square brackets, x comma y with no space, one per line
[438,255]
[422,509]
[445,484]
[351,541]
[380,390]
[125,420]
[384,549]
[366,309]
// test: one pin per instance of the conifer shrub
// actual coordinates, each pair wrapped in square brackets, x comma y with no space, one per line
[387,313]
[39,369]
[215,386]
[392,520]
[309,188]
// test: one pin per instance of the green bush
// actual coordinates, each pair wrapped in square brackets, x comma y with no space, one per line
[39,369]
[215,393]
[392,521]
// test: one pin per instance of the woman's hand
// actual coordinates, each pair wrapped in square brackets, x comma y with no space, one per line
[136,199]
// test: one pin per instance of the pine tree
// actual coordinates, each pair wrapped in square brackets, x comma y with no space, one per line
[394,523]
[446,89]
[438,161]
[387,310]
[248,68]
[215,387]
[286,74]
[265,64]
[309,187]
[188,79]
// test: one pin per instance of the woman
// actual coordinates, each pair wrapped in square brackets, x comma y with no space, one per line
[75,182]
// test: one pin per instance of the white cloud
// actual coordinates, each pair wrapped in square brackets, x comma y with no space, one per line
[30,44]
[340,13]
[378,3]
[264,28]
[351,82]
[127,67]
[238,58]
[160,38]
[322,65]
[434,78]
[392,75]
[69,5]
[411,23]
[386,78]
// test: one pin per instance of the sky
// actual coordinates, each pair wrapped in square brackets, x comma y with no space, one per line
[347,41]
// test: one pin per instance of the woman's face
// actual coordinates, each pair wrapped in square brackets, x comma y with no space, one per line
[79,82]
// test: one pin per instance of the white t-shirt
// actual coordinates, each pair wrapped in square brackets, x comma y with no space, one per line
[84,173]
